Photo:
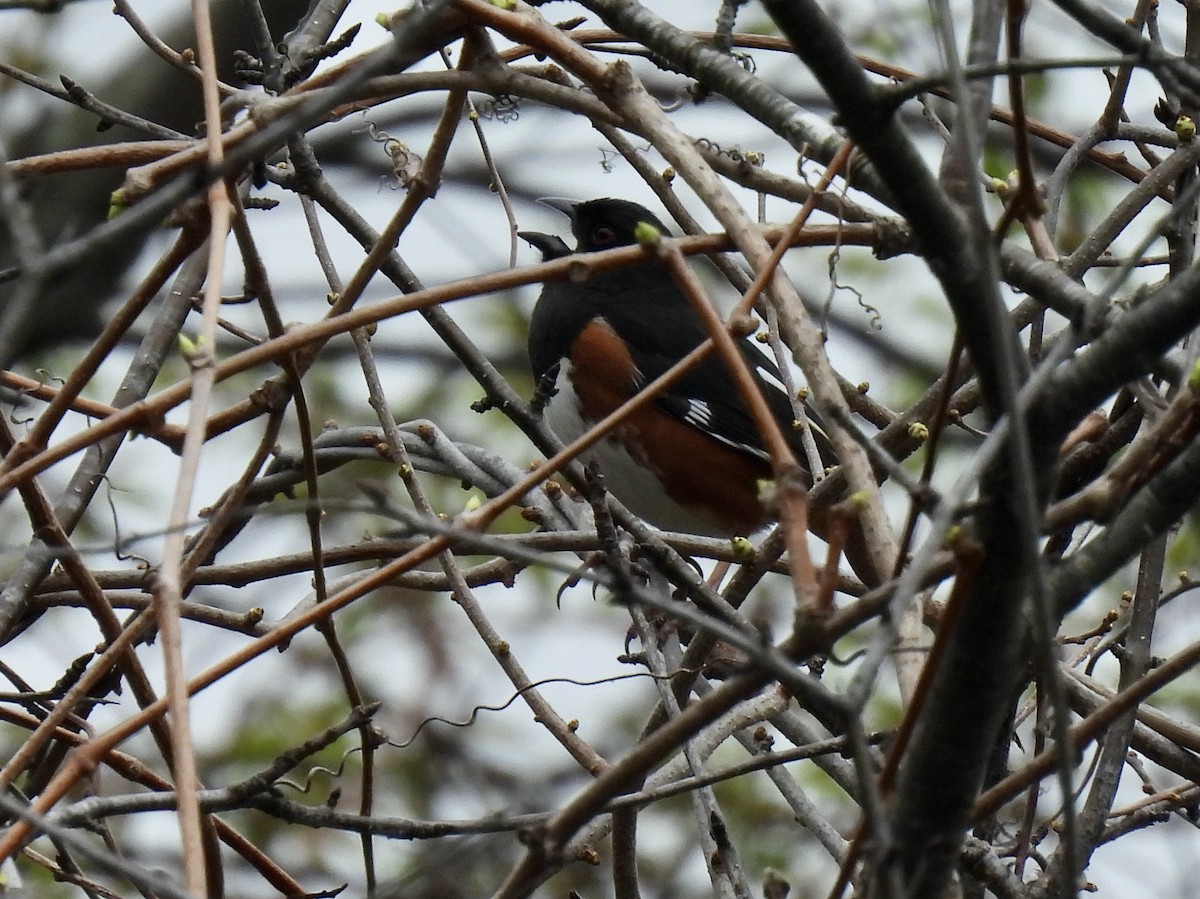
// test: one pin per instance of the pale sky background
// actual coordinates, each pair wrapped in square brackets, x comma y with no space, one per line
[467,236]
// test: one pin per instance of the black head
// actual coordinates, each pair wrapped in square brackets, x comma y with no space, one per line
[606,223]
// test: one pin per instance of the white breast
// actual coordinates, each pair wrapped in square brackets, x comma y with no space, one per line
[624,476]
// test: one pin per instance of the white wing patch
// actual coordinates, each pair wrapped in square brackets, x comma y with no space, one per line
[698,413]
[771,378]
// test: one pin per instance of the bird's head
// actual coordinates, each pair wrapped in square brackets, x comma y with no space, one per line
[607,223]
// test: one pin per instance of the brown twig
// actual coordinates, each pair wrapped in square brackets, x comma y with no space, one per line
[137,152]
[186,63]
[169,435]
[1115,162]
[1087,730]
[168,585]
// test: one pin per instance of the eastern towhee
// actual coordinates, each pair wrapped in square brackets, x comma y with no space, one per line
[693,460]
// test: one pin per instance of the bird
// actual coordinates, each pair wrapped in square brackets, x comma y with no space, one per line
[692,461]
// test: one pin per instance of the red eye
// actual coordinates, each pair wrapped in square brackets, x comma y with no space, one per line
[603,235]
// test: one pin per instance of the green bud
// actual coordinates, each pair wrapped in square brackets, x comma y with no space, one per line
[646,234]
[1185,128]
[116,203]
[743,549]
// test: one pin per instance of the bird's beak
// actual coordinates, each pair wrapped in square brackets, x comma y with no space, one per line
[565,205]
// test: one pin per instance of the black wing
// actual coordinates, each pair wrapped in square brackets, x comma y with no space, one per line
[707,398]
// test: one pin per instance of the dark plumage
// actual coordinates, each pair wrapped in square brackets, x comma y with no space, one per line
[643,306]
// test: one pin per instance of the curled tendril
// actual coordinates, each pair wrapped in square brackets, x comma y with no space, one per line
[746,61]
[477,710]
[43,378]
[875,321]
[608,156]
[119,549]
[751,157]
[405,162]
[673,104]
[504,108]
[312,773]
